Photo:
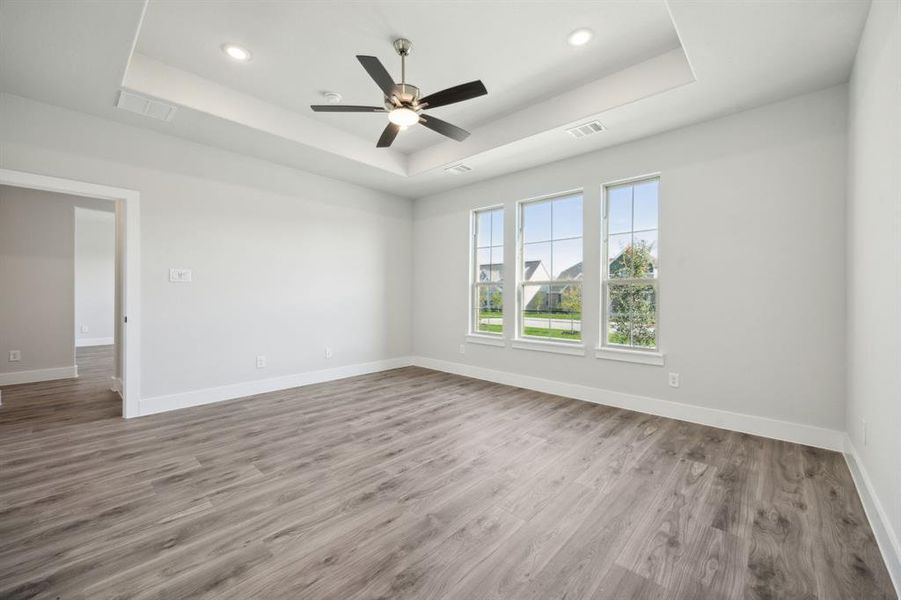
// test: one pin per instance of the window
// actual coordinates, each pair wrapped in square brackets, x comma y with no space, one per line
[550,269]
[631,265]
[488,271]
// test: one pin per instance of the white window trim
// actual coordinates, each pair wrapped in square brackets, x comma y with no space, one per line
[520,340]
[487,339]
[472,284]
[644,357]
[563,347]
[605,350]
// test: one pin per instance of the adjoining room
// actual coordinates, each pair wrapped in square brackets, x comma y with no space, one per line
[450,301]
[58,314]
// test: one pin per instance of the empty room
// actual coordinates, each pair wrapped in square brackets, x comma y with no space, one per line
[450,300]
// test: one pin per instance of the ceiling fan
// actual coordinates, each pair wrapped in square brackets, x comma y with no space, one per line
[402,101]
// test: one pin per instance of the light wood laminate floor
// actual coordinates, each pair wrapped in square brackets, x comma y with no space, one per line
[414,484]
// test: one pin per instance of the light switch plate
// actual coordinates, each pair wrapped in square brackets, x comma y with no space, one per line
[178,275]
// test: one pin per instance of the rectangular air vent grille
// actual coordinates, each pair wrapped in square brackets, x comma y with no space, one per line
[142,105]
[585,129]
[458,169]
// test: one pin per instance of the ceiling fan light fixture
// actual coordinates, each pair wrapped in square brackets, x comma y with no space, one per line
[403,116]
[236,52]
[580,37]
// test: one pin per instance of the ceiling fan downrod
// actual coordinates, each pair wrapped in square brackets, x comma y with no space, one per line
[403,47]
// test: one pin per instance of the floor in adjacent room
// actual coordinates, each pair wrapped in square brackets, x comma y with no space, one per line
[414,484]
[52,404]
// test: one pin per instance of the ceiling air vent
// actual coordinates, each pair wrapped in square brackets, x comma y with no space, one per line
[145,106]
[585,129]
[458,169]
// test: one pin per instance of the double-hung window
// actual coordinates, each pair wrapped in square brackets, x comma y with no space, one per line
[631,265]
[487,291]
[550,268]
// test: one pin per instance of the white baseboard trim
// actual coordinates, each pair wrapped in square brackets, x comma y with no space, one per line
[104,341]
[809,435]
[158,404]
[886,536]
[17,377]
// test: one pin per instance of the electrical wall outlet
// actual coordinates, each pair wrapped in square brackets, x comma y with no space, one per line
[261,362]
[15,355]
[462,348]
[84,328]
[674,380]
[329,353]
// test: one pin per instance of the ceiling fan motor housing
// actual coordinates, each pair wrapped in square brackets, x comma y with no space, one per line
[406,94]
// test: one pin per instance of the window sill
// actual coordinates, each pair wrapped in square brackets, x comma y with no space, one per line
[557,347]
[641,357]
[486,340]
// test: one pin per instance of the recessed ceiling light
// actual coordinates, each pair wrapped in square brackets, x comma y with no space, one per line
[580,37]
[236,52]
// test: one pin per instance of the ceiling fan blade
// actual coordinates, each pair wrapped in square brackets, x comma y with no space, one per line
[444,128]
[346,108]
[388,135]
[379,74]
[458,93]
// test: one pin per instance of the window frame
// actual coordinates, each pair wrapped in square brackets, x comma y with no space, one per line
[605,349]
[474,285]
[530,342]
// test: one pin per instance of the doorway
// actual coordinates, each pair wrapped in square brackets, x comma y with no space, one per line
[124,352]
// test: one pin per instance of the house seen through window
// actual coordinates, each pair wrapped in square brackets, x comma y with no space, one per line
[488,274]
[551,268]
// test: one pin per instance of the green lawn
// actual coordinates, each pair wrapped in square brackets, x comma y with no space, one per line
[493,314]
[623,339]
[560,334]
[617,338]
[541,315]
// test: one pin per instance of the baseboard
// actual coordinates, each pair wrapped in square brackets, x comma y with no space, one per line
[158,404]
[104,341]
[886,536]
[17,377]
[772,428]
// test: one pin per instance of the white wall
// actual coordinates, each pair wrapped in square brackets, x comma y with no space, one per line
[874,264]
[95,276]
[36,279]
[285,263]
[752,263]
